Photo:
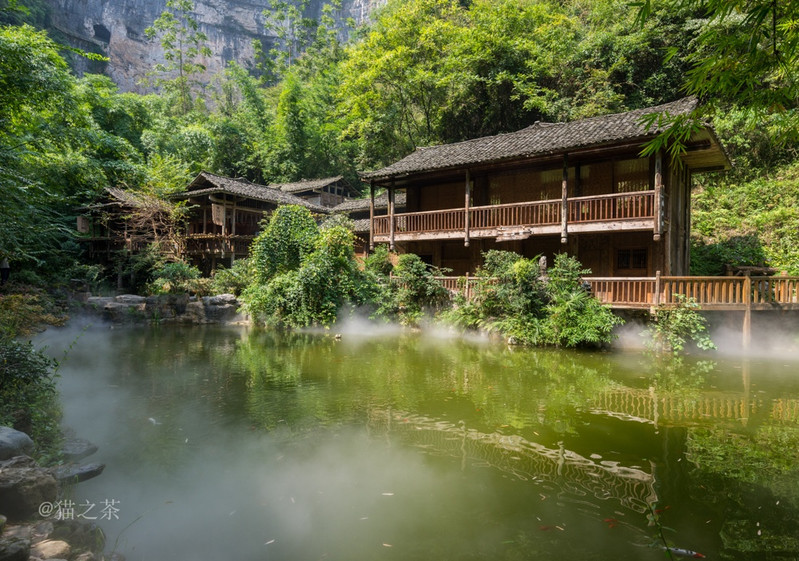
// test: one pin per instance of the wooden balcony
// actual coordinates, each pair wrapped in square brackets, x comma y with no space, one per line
[618,211]
[218,245]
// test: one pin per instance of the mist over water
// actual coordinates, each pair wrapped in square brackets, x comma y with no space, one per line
[235,443]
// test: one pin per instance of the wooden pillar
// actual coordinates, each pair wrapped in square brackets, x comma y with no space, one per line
[205,219]
[371,215]
[658,195]
[656,295]
[391,217]
[747,323]
[233,219]
[564,209]
[467,207]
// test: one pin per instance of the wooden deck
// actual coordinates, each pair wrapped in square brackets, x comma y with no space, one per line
[618,212]
[645,293]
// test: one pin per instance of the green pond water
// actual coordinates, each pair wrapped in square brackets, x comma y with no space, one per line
[228,443]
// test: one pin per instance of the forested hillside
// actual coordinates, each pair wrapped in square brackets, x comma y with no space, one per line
[423,72]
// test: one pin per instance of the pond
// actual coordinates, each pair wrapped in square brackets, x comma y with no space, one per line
[231,443]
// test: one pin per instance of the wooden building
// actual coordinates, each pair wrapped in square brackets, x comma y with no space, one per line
[327,192]
[226,215]
[580,187]
[358,211]
[103,228]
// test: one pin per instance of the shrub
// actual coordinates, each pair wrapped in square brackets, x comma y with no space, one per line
[515,301]
[379,262]
[28,399]
[313,293]
[289,237]
[674,326]
[175,278]
[414,292]
[233,280]
[507,297]
[574,318]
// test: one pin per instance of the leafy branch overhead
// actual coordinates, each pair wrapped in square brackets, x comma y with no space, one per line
[184,51]
[746,52]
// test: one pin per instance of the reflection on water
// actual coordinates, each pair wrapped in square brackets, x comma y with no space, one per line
[228,443]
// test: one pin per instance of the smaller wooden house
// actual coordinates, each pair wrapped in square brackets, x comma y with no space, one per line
[327,192]
[104,227]
[226,215]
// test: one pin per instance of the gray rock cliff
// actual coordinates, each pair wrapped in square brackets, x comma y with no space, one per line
[116,28]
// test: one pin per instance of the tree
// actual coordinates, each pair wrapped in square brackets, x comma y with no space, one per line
[746,53]
[184,48]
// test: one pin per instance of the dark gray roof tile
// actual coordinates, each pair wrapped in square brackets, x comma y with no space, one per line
[208,183]
[536,140]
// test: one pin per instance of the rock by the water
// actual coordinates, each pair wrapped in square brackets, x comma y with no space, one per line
[220,300]
[51,549]
[77,473]
[79,534]
[77,448]
[24,487]
[13,548]
[130,299]
[14,443]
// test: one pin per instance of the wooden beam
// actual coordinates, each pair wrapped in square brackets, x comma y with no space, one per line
[467,208]
[658,230]
[371,215]
[747,323]
[564,209]
[391,217]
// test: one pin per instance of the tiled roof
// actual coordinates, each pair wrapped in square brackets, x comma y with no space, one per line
[360,226]
[305,185]
[381,202]
[536,140]
[208,183]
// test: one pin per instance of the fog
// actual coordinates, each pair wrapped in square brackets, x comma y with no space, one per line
[194,483]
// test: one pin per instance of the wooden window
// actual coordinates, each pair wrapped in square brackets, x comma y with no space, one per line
[631,175]
[631,259]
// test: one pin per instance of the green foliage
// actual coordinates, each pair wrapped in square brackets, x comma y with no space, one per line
[174,278]
[28,399]
[413,292]
[574,317]
[509,297]
[313,292]
[233,280]
[673,326]
[284,242]
[378,262]
[749,222]
[184,47]
[745,52]
[24,309]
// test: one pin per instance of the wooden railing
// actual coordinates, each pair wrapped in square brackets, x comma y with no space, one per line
[709,292]
[619,206]
[719,293]
[538,213]
[630,291]
[217,244]
[601,208]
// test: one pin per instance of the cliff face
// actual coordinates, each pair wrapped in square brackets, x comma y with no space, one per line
[116,28]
